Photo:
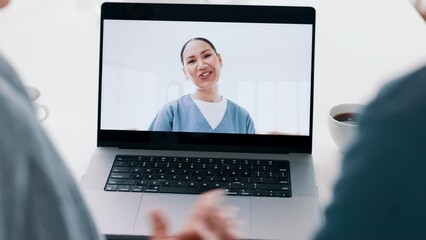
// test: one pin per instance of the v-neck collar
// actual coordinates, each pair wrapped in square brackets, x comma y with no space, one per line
[201,119]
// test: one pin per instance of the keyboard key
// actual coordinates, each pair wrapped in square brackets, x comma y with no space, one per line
[120,175]
[270,193]
[188,178]
[132,164]
[123,158]
[236,185]
[142,183]
[120,163]
[136,189]
[279,174]
[232,192]
[180,184]
[285,181]
[244,192]
[124,188]
[211,179]
[223,179]
[258,180]
[153,183]
[283,194]
[175,178]
[259,162]
[137,176]
[151,189]
[136,170]
[120,169]
[258,193]
[180,190]
[248,185]
[114,181]
[277,180]
[111,188]
[166,184]
[139,159]
[192,185]
[148,176]
[273,187]
[206,185]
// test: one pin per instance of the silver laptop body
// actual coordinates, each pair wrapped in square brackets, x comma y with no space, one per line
[268,54]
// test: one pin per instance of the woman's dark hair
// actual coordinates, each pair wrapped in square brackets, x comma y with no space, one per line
[194,39]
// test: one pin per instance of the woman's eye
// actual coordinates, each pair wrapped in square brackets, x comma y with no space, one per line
[190,62]
[207,55]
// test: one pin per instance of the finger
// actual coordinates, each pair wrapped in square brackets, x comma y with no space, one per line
[159,225]
[206,204]
[189,235]
[221,227]
[237,228]
[231,220]
[209,219]
[229,212]
[210,198]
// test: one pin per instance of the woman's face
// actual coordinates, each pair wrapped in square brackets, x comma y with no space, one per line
[201,64]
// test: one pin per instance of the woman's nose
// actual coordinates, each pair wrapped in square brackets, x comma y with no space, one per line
[201,64]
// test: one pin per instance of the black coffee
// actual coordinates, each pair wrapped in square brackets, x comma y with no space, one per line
[349,118]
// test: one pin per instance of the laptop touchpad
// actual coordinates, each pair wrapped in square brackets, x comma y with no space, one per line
[178,207]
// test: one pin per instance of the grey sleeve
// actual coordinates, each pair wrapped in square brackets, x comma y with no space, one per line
[380,194]
[39,199]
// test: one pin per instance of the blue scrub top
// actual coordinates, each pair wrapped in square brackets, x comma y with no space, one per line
[183,115]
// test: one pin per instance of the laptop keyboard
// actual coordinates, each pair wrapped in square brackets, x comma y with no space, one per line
[240,177]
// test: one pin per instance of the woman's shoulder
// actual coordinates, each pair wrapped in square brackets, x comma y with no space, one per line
[174,104]
[233,106]
[401,97]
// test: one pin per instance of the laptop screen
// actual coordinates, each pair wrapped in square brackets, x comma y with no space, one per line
[207,77]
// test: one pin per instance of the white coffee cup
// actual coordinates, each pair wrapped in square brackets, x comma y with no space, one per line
[342,123]
[41,110]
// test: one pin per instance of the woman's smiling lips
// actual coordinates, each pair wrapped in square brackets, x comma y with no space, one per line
[205,75]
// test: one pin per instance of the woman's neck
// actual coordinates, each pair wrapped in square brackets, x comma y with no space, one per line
[207,96]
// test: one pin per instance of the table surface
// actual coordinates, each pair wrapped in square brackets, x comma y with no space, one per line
[360,45]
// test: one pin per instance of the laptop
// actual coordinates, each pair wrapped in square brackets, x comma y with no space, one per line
[161,143]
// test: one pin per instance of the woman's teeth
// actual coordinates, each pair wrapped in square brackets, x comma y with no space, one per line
[206,74]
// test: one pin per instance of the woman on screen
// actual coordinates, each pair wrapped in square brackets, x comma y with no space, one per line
[204,110]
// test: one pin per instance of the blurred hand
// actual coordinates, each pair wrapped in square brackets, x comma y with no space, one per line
[421,7]
[209,220]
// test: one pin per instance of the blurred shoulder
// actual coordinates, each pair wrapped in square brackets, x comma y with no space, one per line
[403,98]
[10,77]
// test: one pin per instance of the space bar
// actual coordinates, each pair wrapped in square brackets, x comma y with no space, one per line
[181,190]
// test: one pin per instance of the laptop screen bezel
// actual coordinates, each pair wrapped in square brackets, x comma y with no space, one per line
[206,141]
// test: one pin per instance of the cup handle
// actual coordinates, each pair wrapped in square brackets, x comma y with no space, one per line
[46,112]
